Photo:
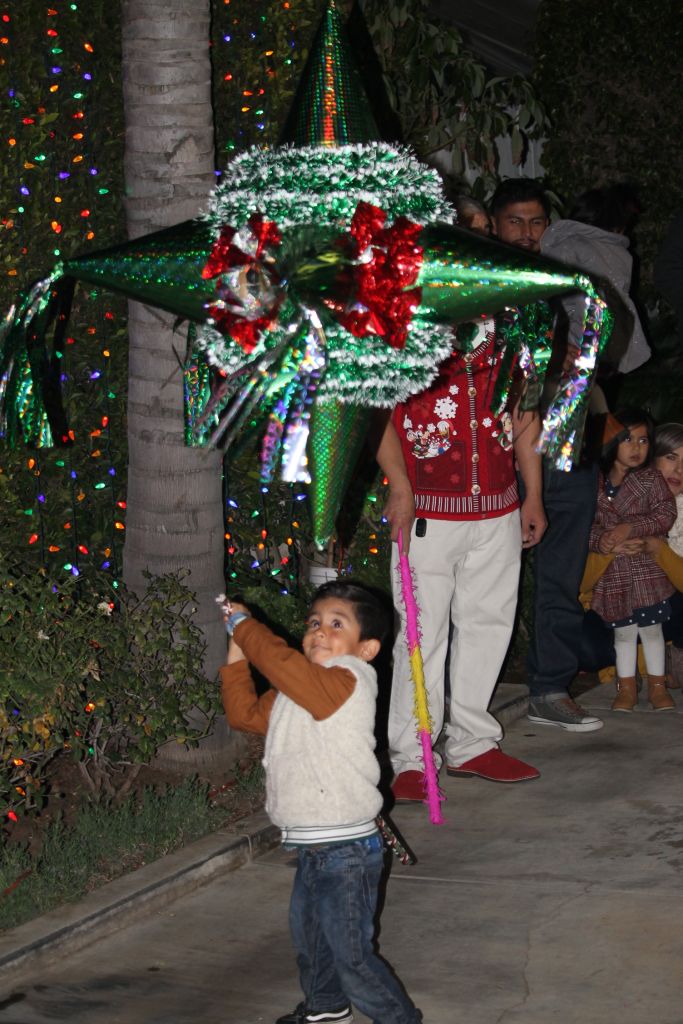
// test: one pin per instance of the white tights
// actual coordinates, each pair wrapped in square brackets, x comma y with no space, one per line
[626,647]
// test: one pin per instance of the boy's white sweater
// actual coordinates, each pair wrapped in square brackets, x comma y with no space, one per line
[322,776]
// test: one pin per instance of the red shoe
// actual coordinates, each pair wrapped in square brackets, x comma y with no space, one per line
[409,787]
[496,766]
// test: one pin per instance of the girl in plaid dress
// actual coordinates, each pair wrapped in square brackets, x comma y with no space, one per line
[632,595]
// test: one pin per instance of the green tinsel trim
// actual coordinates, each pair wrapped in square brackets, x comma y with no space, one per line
[317,191]
[315,185]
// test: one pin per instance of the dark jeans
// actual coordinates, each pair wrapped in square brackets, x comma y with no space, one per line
[559,560]
[597,639]
[331,918]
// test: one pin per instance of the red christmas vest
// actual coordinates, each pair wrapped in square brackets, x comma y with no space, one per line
[458,455]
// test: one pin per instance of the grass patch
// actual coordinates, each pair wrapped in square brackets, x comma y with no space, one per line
[106,841]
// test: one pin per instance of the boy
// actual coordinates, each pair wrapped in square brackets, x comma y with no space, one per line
[321,786]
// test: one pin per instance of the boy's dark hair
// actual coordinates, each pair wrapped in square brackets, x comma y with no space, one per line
[519,190]
[668,437]
[631,417]
[370,608]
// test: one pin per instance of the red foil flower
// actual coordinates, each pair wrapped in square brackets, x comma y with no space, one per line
[247,301]
[388,261]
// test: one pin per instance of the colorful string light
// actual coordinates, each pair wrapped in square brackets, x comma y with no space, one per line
[57,199]
[56,121]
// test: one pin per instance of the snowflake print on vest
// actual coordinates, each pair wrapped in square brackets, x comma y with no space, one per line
[457,451]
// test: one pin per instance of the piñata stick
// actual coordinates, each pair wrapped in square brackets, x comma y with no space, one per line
[424,722]
[394,841]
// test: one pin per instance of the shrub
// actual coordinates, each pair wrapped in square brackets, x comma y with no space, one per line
[107,677]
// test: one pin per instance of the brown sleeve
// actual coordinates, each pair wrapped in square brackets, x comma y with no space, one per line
[672,564]
[320,690]
[243,709]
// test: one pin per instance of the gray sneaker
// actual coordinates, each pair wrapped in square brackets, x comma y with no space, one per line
[562,712]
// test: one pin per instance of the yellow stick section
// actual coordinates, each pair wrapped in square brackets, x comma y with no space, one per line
[421,706]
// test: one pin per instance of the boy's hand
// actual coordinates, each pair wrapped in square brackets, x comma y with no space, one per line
[229,606]
[235,606]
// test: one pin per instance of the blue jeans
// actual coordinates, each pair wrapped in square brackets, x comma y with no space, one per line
[331,918]
[559,560]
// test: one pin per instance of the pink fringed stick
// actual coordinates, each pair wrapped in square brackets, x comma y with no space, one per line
[424,722]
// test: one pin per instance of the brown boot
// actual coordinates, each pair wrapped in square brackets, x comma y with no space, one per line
[657,694]
[627,694]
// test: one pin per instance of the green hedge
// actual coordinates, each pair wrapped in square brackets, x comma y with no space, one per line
[95,674]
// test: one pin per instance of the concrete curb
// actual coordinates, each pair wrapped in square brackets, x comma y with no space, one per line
[149,889]
[142,892]
[510,702]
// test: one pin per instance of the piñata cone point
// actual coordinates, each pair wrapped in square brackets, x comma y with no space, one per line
[330,107]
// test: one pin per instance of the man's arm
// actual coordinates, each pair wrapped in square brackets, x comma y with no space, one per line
[526,428]
[400,506]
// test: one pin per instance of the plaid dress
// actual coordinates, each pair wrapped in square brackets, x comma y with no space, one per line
[633,582]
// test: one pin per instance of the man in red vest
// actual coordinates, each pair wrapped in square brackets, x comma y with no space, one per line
[453,493]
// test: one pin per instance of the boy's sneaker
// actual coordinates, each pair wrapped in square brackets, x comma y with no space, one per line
[563,712]
[304,1016]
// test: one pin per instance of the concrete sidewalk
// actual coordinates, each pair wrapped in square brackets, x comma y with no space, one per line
[556,900]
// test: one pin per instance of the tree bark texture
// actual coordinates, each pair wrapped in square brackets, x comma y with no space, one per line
[175,513]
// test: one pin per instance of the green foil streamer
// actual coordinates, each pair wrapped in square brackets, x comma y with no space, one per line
[564,422]
[30,396]
[527,335]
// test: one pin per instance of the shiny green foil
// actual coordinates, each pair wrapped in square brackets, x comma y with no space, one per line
[337,433]
[330,107]
[163,269]
[464,276]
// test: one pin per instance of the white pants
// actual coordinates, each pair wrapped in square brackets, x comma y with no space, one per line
[467,573]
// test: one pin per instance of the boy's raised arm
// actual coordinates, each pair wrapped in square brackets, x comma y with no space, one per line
[320,690]
[243,708]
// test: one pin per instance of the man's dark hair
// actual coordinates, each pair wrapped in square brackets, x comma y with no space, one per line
[519,190]
[370,608]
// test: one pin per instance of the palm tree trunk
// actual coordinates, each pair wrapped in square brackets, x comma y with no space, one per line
[175,515]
